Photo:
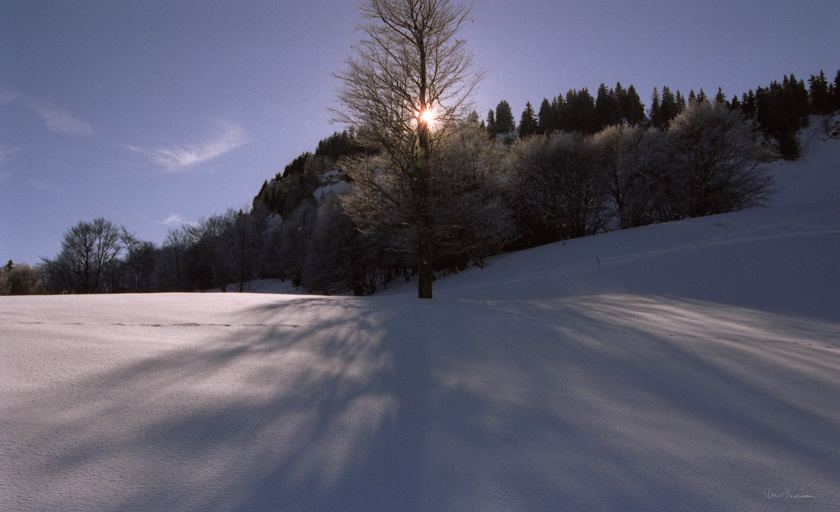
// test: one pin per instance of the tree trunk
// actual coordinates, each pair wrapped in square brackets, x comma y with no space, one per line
[425,261]
[425,237]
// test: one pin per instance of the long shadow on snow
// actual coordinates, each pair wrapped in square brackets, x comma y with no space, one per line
[310,404]
[339,404]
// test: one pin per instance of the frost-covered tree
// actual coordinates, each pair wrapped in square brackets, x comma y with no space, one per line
[23,280]
[711,164]
[470,197]
[339,257]
[555,180]
[408,81]
[622,155]
[471,218]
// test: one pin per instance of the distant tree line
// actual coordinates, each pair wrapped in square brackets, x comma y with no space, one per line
[779,110]
[579,166]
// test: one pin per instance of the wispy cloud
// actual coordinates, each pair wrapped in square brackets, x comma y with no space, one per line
[57,119]
[177,220]
[174,159]
[60,120]
[5,153]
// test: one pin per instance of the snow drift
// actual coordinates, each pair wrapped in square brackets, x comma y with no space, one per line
[685,366]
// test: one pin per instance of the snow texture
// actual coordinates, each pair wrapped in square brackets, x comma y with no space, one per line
[685,366]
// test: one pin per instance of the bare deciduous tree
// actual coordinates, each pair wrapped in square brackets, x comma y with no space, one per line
[408,82]
[88,250]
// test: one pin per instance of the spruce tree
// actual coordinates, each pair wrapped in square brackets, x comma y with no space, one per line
[818,93]
[655,107]
[528,123]
[604,108]
[547,117]
[491,122]
[505,122]
[669,108]
[836,95]
[634,110]
[619,102]
[720,98]
[558,108]
[748,104]
[579,112]
[681,105]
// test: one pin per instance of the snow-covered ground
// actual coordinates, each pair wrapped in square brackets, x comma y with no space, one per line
[685,366]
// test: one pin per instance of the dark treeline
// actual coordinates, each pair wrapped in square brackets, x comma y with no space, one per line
[578,166]
[779,109]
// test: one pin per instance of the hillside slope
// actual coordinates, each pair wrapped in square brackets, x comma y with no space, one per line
[686,366]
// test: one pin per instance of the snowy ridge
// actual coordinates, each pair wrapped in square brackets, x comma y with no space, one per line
[683,366]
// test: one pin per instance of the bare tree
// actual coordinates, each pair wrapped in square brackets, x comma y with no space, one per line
[408,82]
[139,261]
[171,271]
[88,251]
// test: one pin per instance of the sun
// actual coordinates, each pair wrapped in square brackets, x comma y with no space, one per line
[428,116]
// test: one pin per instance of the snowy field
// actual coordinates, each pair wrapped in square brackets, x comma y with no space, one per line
[687,366]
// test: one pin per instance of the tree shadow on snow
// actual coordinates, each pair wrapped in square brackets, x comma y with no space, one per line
[613,402]
[308,404]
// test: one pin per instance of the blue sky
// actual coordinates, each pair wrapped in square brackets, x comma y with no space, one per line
[155,113]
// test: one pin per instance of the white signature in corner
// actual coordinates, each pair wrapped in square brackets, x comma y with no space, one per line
[786,495]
